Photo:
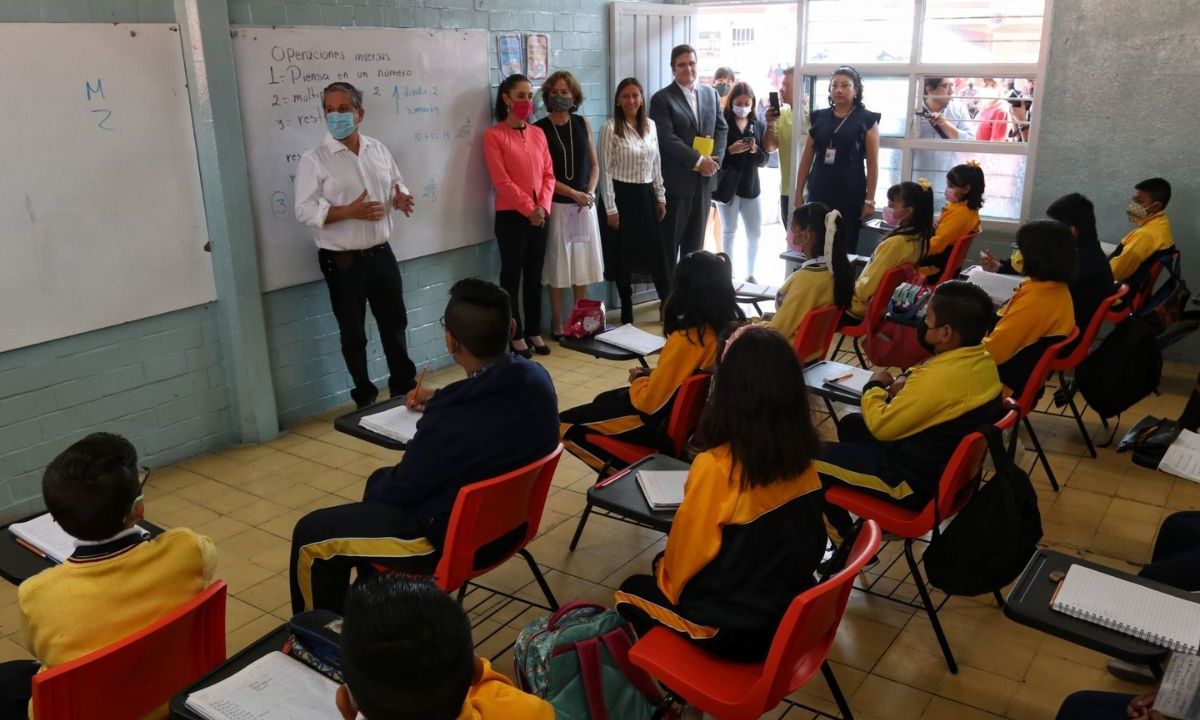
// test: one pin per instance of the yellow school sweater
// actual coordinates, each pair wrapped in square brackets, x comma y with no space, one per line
[1036,310]
[956,220]
[686,352]
[83,605]
[805,290]
[894,251]
[1152,236]
[495,698]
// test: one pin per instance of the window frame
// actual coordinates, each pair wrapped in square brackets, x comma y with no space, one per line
[917,70]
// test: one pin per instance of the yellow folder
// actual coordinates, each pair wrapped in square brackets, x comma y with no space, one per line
[703,145]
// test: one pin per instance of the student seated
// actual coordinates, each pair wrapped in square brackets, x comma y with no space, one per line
[960,216]
[910,426]
[1093,281]
[1152,234]
[910,210]
[1041,311]
[407,655]
[117,581]
[700,305]
[824,278]
[501,417]
[749,534]
[1176,557]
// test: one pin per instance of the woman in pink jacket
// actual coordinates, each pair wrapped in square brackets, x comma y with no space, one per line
[518,159]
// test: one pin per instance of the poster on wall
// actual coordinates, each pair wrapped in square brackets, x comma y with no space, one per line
[537,55]
[508,45]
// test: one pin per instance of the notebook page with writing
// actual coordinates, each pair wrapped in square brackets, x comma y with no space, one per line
[1183,457]
[633,339]
[398,423]
[274,687]
[663,488]
[1130,608]
[43,533]
[1179,693]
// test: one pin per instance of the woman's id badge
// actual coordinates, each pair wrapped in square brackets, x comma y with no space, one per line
[830,155]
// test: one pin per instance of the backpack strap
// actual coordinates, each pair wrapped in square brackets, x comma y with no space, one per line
[588,652]
[552,623]
[618,644]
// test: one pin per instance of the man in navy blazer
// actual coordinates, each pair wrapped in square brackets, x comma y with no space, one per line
[683,111]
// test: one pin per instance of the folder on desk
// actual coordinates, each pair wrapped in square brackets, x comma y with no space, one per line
[703,145]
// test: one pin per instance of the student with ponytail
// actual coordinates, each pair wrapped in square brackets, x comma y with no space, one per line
[910,212]
[824,278]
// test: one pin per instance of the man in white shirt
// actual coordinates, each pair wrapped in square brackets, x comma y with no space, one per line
[943,117]
[343,189]
[682,112]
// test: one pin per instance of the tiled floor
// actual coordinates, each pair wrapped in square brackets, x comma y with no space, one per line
[886,658]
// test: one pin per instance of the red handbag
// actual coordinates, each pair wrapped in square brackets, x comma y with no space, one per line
[586,319]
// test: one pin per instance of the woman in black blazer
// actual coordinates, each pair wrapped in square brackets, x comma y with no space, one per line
[737,183]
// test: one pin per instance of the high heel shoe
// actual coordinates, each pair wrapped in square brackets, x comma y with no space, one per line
[526,353]
[542,349]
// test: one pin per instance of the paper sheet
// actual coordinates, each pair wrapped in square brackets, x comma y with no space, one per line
[663,488]
[1183,456]
[1179,692]
[999,288]
[398,423]
[274,687]
[578,224]
[628,337]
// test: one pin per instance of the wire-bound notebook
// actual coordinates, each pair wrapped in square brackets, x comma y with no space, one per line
[1127,607]
[663,488]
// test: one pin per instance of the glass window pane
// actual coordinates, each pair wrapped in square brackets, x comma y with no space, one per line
[850,31]
[1004,179]
[975,108]
[885,95]
[982,31]
[889,174]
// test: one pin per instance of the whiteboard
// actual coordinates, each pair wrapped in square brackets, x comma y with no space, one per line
[101,215]
[427,98]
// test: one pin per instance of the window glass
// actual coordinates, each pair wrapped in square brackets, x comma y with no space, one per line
[889,174]
[982,31]
[858,31]
[990,109]
[885,95]
[1003,179]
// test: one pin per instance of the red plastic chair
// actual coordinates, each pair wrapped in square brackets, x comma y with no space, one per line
[487,511]
[954,261]
[685,416]
[876,309]
[1082,349]
[815,332]
[140,672]
[955,487]
[1028,398]
[744,691]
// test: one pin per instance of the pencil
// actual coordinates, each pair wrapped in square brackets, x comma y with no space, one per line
[840,378]
[416,393]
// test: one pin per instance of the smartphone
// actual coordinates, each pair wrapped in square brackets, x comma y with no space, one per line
[773,98]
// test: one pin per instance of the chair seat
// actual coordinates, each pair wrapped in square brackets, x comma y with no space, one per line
[624,451]
[852,331]
[891,517]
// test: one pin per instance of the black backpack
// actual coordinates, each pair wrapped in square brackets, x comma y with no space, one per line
[1126,367]
[989,542]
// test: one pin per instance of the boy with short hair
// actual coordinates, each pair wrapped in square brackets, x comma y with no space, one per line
[118,580]
[910,426]
[407,653]
[1151,234]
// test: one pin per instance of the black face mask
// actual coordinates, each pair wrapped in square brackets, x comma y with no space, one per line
[921,338]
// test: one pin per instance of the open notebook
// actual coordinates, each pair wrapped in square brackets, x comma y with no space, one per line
[1128,607]
[755,289]
[663,488]
[398,423]
[47,536]
[274,687]
[999,288]
[628,337]
[1183,456]
[836,376]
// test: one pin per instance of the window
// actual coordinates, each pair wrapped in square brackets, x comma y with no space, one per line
[743,36]
[954,80]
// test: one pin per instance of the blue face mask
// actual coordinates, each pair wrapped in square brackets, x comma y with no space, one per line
[341,125]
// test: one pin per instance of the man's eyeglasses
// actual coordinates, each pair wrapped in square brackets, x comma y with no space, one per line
[144,475]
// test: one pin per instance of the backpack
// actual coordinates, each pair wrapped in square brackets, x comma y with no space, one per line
[578,660]
[990,541]
[1123,369]
[894,342]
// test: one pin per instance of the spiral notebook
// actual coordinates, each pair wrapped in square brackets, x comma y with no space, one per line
[1130,608]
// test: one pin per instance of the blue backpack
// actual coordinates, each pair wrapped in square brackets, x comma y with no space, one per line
[578,660]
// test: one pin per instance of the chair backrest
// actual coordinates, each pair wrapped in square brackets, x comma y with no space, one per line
[1158,263]
[686,410]
[815,333]
[487,511]
[140,672]
[958,255]
[1084,347]
[1037,379]
[810,624]
[892,279]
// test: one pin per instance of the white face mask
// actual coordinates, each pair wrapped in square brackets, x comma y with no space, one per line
[741,110]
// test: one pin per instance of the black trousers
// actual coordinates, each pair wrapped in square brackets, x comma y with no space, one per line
[684,225]
[785,212]
[16,688]
[1176,557]
[522,252]
[1094,705]
[641,243]
[1189,419]
[356,278]
[328,543]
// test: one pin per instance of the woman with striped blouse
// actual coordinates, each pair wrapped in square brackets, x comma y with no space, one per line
[634,197]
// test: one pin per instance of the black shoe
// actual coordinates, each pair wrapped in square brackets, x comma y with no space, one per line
[363,404]
[557,337]
[542,349]
[526,353]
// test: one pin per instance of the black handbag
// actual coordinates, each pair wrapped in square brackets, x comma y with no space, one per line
[728,179]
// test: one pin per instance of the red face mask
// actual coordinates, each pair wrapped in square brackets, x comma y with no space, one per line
[522,109]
